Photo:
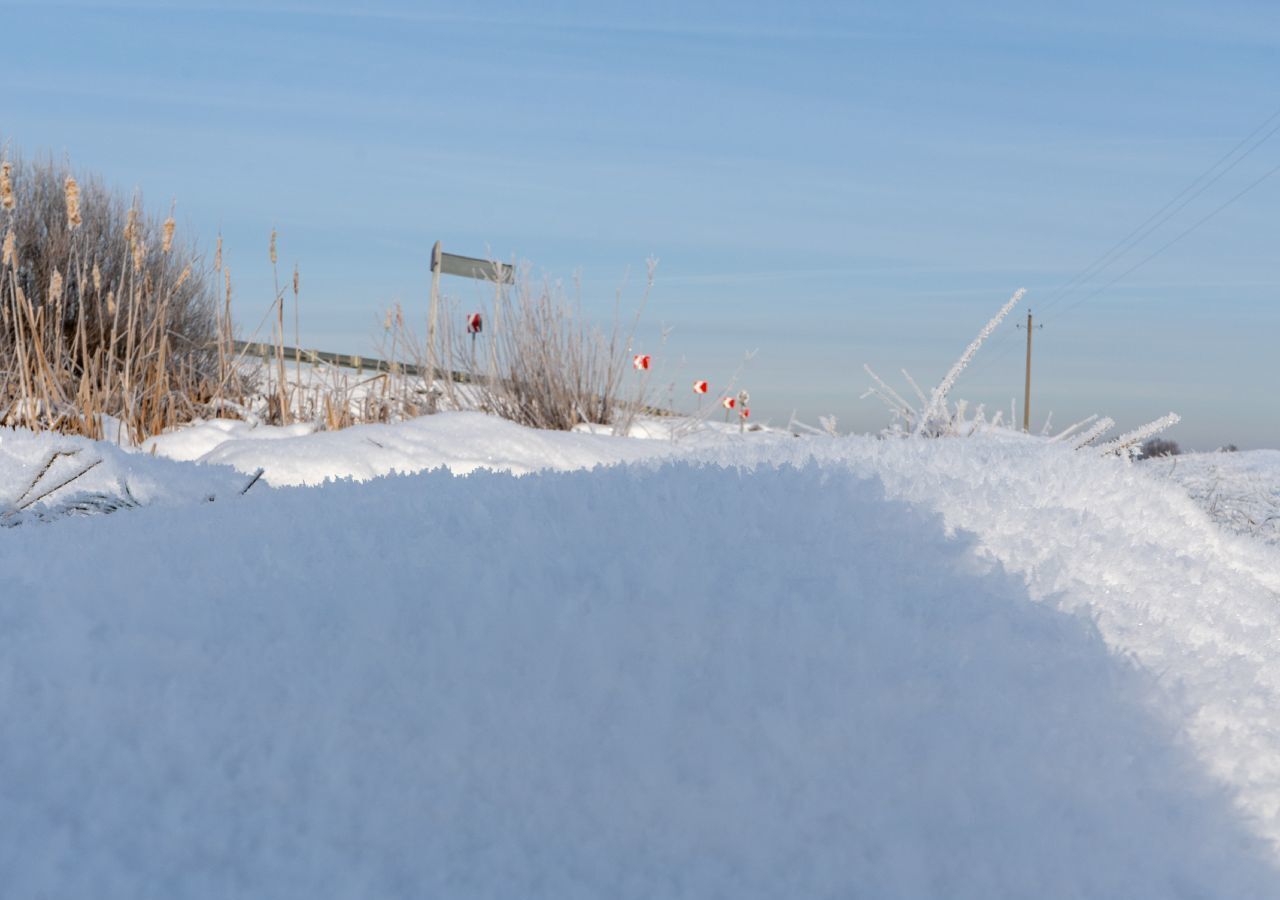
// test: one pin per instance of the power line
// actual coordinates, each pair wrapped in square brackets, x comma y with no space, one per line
[1002,351]
[1246,189]
[1005,343]
[1164,213]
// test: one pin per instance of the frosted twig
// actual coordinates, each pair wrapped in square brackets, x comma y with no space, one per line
[915,387]
[1127,440]
[1071,429]
[889,392]
[59,486]
[797,426]
[884,398]
[44,470]
[939,395]
[252,481]
[1101,427]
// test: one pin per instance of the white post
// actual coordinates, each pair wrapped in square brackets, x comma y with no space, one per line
[431,326]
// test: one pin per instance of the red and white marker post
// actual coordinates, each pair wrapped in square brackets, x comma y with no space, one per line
[700,388]
[475,325]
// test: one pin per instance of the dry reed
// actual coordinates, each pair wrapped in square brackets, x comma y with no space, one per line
[94,326]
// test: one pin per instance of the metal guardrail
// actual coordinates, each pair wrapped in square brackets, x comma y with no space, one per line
[345,360]
[267,352]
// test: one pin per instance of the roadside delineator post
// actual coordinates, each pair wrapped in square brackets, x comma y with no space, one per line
[475,324]
[700,388]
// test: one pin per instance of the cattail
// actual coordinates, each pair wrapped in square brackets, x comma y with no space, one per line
[6,185]
[55,287]
[217,256]
[167,243]
[71,191]
[273,246]
[97,280]
[8,249]
[227,275]
[182,279]
[131,235]
[295,281]
[111,303]
[386,323]
[399,316]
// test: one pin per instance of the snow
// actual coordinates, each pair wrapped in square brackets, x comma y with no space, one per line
[1239,490]
[459,441]
[110,474]
[725,665]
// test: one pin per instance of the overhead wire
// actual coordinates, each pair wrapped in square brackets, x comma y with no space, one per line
[1122,247]
[1142,262]
[1164,214]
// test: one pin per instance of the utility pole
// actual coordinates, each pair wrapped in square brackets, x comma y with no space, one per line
[1026,403]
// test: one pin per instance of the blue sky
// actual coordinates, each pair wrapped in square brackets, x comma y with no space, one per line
[826,184]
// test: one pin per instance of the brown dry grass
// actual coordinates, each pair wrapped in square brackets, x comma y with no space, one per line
[102,312]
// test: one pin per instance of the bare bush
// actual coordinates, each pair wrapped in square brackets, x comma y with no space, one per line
[541,363]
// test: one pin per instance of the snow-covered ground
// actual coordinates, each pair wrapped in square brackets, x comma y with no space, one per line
[1240,491]
[728,665]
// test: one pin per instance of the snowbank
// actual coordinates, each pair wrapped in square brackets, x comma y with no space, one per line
[954,668]
[461,442]
[458,441]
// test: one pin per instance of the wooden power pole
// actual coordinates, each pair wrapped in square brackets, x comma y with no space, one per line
[1026,402]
